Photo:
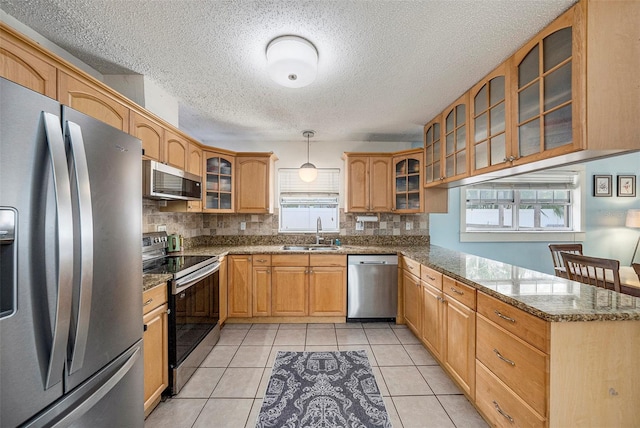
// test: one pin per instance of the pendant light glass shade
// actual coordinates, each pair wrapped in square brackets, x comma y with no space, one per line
[292,61]
[308,171]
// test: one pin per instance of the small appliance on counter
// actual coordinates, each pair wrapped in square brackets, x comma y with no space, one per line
[174,243]
[193,303]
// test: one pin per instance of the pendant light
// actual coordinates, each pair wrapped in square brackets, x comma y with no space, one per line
[308,171]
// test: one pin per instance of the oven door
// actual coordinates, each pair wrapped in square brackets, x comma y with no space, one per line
[194,311]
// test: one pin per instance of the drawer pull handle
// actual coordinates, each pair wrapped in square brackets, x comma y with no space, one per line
[431,278]
[410,267]
[261,260]
[499,410]
[148,302]
[504,317]
[457,291]
[506,360]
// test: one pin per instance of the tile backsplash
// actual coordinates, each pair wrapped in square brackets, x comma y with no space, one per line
[191,225]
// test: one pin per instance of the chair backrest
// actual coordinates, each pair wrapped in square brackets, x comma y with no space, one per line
[593,270]
[636,267]
[558,263]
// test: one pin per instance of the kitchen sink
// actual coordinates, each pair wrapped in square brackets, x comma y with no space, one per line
[309,247]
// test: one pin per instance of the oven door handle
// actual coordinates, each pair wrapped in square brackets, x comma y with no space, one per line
[191,279]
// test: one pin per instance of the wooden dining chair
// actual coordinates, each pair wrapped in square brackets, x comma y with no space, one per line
[558,263]
[593,270]
[636,267]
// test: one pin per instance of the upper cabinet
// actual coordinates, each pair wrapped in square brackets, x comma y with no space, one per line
[92,101]
[432,152]
[219,173]
[151,133]
[546,81]
[176,150]
[456,119]
[25,65]
[254,182]
[368,182]
[407,191]
[490,135]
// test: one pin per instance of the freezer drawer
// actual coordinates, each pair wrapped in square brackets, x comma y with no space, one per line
[372,287]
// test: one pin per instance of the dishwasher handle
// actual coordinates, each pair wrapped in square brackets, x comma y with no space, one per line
[382,262]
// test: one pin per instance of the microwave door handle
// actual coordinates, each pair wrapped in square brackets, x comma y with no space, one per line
[62,191]
[85,220]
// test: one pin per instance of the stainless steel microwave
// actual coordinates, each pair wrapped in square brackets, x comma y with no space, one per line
[160,181]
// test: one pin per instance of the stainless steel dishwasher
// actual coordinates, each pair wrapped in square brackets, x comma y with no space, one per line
[372,287]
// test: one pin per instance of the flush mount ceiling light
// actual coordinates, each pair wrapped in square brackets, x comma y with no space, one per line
[292,61]
[308,171]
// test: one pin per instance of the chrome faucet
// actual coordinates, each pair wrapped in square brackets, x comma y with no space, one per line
[318,229]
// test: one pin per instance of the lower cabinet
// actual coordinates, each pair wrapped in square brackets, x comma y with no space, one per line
[156,345]
[224,289]
[412,301]
[460,344]
[432,332]
[286,285]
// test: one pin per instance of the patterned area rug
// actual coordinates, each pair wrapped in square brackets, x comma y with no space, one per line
[322,390]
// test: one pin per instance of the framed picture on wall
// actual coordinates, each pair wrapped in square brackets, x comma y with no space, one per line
[627,186]
[602,185]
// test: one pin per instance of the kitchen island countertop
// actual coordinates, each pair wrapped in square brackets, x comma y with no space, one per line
[545,296]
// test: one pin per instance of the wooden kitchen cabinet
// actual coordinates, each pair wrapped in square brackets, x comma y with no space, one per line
[328,285]
[460,334]
[92,101]
[261,285]
[176,150]
[412,294]
[156,345]
[151,133]
[455,120]
[407,189]
[290,285]
[369,180]
[490,122]
[433,172]
[218,182]
[254,182]
[224,292]
[23,63]
[432,330]
[239,275]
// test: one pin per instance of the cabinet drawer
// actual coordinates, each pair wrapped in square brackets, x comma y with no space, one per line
[519,365]
[500,405]
[459,291]
[261,260]
[327,260]
[531,329]
[290,260]
[153,298]
[431,277]
[411,266]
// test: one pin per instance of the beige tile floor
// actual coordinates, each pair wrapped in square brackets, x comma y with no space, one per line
[227,389]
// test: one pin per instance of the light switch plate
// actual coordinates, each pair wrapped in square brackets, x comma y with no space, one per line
[162,228]
[408,226]
[243,225]
[359,225]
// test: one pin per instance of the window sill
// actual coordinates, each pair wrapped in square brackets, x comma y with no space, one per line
[537,236]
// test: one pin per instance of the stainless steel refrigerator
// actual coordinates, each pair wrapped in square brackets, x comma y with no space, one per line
[70,267]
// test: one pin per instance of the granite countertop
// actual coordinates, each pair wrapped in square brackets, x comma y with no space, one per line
[545,296]
[153,280]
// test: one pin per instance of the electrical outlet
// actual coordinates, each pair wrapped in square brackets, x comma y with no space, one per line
[408,226]
[162,228]
[359,225]
[243,225]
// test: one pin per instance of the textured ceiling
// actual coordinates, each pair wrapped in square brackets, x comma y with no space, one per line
[385,67]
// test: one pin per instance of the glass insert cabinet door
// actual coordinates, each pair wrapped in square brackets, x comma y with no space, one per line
[489,115]
[455,138]
[219,185]
[432,152]
[545,101]
[408,184]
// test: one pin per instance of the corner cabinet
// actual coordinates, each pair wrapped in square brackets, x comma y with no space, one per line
[254,182]
[407,190]
[219,171]
[368,182]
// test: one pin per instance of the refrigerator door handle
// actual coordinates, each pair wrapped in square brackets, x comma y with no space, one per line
[93,399]
[62,188]
[85,221]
